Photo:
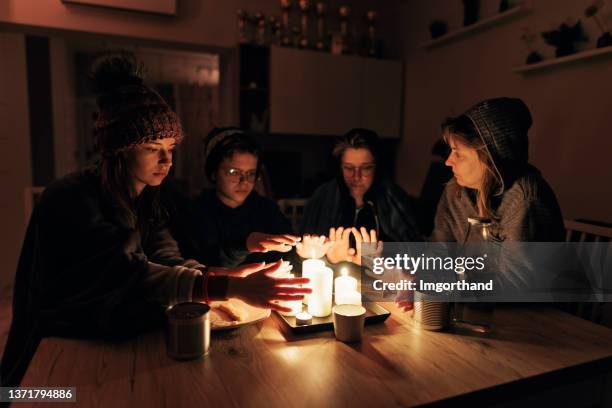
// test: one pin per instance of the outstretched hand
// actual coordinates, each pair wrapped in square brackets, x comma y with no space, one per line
[262,242]
[313,246]
[341,250]
[260,289]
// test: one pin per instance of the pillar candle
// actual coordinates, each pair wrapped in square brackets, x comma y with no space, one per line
[320,300]
[308,266]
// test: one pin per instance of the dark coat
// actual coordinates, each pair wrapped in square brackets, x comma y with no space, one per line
[332,206]
[83,272]
[215,234]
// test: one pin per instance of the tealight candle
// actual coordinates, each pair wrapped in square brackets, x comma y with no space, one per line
[345,287]
[303,319]
[320,300]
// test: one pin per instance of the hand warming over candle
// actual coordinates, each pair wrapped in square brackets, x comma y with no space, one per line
[259,289]
[362,236]
[341,251]
[240,271]
[313,246]
[261,242]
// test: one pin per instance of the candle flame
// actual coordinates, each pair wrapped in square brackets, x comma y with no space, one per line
[344,272]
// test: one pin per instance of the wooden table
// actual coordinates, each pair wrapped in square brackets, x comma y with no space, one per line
[536,355]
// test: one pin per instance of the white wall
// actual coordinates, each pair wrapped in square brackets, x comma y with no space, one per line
[15,166]
[570,141]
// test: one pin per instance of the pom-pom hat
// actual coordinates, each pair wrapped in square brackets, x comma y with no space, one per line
[130,112]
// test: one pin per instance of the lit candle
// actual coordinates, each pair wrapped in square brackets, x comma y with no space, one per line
[303,319]
[295,305]
[322,284]
[308,266]
[345,287]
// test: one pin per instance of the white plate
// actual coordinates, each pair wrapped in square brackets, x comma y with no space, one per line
[219,321]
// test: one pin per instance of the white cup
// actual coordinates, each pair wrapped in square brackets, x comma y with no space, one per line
[348,322]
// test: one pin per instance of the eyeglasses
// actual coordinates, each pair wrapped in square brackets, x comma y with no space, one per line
[365,170]
[236,176]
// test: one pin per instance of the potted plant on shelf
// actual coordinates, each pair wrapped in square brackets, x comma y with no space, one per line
[606,39]
[528,38]
[564,39]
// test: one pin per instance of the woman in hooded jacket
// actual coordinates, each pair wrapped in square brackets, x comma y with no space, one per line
[493,178]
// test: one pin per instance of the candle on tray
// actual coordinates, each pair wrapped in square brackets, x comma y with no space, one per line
[308,266]
[320,300]
[295,305]
[346,290]
[349,298]
[303,319]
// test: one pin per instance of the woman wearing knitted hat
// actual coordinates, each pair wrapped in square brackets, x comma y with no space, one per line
[231,223]
[493,180]
[97,260]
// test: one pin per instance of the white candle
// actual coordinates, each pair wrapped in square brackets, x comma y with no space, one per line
[349,298]
[303,318]
[343,286]
[320,300]
[308,266]
[295,305]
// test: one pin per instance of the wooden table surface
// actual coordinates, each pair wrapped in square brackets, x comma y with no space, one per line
[396,364]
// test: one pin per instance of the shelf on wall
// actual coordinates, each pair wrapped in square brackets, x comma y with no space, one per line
[563,60]
[487,22]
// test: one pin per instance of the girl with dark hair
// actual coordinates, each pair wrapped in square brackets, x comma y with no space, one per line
[360,201]
[97,260]
[231,223]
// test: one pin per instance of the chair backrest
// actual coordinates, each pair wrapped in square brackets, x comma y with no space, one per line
[583,232]
[598,312]
[293,208]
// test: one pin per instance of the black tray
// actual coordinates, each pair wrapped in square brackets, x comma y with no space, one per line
[374,314]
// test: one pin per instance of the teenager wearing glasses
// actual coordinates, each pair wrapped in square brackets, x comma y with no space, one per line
[231,223]
[359,202]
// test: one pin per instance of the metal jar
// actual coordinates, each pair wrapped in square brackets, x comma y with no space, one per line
[188,333]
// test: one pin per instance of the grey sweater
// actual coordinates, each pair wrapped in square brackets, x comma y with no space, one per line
[527,211]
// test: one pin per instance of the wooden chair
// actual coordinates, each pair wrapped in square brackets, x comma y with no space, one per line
[293,208]
[580,232]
